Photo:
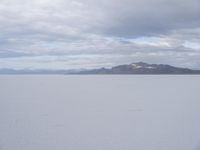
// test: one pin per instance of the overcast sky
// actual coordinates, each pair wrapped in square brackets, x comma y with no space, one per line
[67,34]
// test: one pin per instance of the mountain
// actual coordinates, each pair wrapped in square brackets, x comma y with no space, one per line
[142,68]
[134,68]
[30,72]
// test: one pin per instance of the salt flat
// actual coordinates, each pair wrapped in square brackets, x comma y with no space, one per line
[100,112]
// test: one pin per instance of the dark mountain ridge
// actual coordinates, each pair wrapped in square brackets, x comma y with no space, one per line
[134,68]
[142,68]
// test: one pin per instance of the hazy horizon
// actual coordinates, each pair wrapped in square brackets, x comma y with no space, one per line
[82,69]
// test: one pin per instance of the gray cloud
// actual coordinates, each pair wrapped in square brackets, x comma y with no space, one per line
[108,32]
[153,17]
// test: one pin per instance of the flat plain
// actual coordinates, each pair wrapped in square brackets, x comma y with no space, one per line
[91,112]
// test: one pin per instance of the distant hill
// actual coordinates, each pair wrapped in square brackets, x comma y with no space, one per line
[142,68]
[134,68]
[30,71]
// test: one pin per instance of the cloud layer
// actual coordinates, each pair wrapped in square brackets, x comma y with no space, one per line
[66,34]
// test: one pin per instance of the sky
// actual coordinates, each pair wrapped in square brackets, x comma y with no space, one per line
[77,34]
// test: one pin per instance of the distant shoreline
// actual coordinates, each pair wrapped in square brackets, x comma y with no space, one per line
[139,68]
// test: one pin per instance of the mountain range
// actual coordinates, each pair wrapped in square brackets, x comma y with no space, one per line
[142,68]
[133,68]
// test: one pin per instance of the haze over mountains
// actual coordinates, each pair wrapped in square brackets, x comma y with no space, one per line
[133,68]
